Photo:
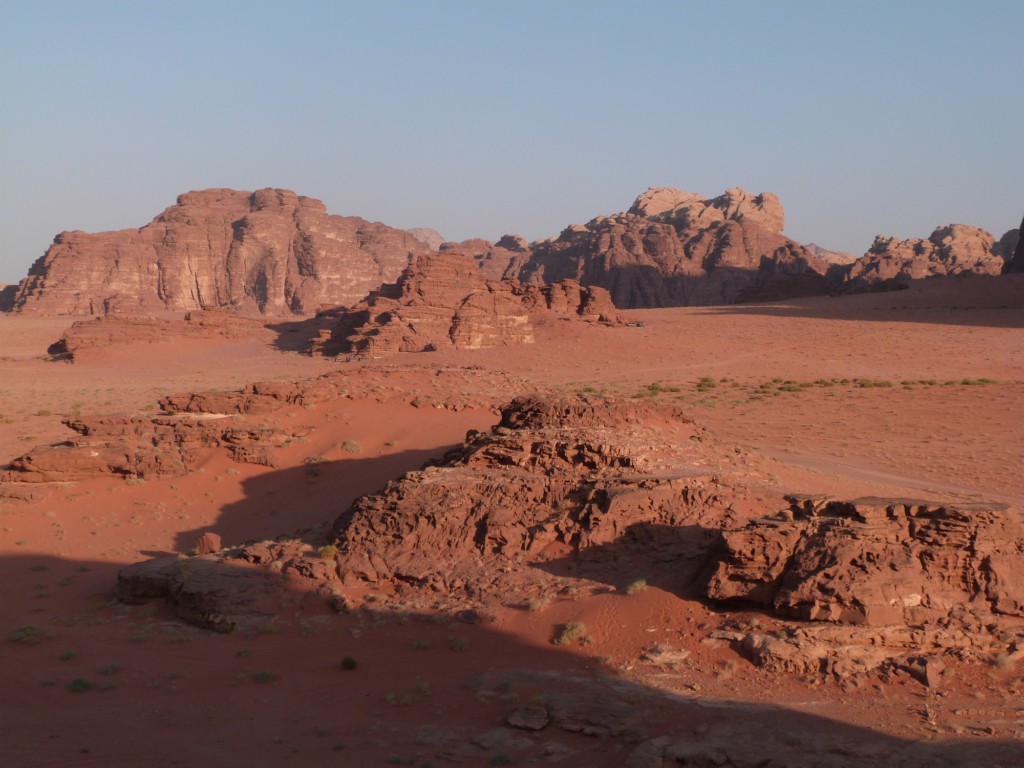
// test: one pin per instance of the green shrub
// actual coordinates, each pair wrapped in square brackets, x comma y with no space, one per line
[569,632]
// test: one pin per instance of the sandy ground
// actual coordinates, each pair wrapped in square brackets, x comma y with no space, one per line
[849,396]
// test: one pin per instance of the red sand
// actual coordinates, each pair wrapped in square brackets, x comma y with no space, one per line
[179,696]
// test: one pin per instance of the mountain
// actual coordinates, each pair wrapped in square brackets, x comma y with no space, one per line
[270,252]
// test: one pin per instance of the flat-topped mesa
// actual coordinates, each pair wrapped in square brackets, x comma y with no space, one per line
[955,249]
[269,252]
[443,301]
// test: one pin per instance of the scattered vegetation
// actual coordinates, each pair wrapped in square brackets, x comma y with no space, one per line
[458,643]
[536,604]
[81,685]
[656,388]
[421,645]
[264,677]
[636,587]
[110,669]
[569,632]
[351,446]
[327,551]
[318,459]
[27,635]
[706,383]
[68,656]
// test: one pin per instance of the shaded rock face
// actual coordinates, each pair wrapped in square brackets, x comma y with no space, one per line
[443,301]
[876,561]
[952,250]
[270,252]
[672,248]
[1015,263]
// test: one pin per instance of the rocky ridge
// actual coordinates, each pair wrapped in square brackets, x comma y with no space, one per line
[443,301]
[585,488]
[270,252]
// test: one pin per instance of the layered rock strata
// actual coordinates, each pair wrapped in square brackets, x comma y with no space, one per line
[270,252]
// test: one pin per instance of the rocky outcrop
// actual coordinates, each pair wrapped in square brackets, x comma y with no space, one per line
[555,474]
[140,447]
[876,561]
[91,338]
[956,249]
[270,252]
[442,301]
[673,248]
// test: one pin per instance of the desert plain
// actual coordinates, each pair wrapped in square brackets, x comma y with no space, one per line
[608,661]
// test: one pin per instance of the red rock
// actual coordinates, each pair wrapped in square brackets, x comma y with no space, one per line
[207,544]
[270,252]
[443,301]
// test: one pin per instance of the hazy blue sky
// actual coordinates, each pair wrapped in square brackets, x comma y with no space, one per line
[480,118]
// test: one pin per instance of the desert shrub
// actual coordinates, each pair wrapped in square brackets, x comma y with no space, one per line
[318,459]
[26,635]
[327,551]
[264,677]
[706,383]
[351,446]
[348,663]
[458,643]
[68,656]
[81,685]
[535,604]
[110,669]
[569,632]
[636,587]
[421,645]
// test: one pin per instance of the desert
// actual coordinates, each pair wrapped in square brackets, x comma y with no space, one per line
[522,527]
[477,384]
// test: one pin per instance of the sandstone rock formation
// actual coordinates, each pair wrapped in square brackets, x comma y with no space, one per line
[442,301]
[876,561]
[955,249]
[672,248]
[90,338]
[270,252]
[139,447]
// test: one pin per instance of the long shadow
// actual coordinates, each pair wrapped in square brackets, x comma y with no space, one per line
[974,300]
[302,501]
[87,659]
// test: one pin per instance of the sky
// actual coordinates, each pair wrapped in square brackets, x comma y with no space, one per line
[483,118]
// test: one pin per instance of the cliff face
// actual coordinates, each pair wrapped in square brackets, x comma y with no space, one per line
[270,252]
[672,248]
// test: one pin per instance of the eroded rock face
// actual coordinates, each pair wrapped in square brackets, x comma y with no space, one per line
[142,447]
[577,474]
[673,248]
[443,301]
[951,250]
[270,252]
[876,561]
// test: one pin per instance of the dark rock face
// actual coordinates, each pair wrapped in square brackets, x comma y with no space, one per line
[1015,263]
[270,252]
